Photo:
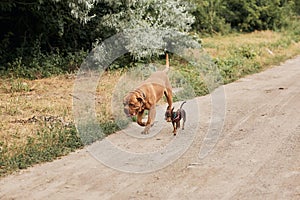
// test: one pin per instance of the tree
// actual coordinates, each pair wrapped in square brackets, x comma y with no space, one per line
[209,18]
[147,16]
[243,15]
[38,28]
[258,14]
[297,7]
[38,25]
[47,26]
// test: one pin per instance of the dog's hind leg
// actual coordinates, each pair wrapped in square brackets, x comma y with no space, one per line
[178,124]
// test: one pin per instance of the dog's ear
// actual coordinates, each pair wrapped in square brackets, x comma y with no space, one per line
[140,99]
[140,96]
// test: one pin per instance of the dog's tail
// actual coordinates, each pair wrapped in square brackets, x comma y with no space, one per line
[167,63]
[182,105]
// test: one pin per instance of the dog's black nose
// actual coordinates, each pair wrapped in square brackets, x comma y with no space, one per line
[126,111]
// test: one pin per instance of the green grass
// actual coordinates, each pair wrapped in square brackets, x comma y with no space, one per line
[236,56]
[48,143]
[51,141]
[93,131]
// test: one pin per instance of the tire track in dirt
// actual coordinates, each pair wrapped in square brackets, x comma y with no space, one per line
[264,151]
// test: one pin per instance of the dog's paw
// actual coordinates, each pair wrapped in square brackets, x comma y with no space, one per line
[145,131]
[141,123]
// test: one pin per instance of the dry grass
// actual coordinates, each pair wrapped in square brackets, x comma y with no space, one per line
[268,45]
[23,101]
[104,92]
[38,98]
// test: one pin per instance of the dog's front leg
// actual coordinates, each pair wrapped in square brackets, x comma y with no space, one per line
[150,121]
[168,94]
[139,119]
[174,127]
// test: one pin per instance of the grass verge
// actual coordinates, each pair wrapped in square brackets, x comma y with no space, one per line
[48,143]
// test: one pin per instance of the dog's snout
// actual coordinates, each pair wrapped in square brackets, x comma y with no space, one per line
[126,111]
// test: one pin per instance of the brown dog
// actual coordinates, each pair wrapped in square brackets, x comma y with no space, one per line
[147,95]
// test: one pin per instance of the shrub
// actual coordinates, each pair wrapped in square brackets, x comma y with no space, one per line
[216,16]
[44,65]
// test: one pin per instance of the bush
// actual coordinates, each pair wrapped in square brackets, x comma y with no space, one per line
[208,17]
[216,16]
[44,65]
[258,15]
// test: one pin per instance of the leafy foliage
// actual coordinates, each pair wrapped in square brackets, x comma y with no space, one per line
[147,17]
[257,15]
[246,16]
[209,18]
[32,31]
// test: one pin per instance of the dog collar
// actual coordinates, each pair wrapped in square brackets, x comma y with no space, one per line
[141,91]
[176,116]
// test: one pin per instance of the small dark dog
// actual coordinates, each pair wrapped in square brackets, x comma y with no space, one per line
[175,117]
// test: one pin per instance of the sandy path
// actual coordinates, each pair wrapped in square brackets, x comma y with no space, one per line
[257,155]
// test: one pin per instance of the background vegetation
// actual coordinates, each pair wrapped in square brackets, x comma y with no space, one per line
[39,38]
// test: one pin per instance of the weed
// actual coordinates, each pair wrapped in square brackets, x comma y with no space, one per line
[246,51]
[17,86]
[188,77]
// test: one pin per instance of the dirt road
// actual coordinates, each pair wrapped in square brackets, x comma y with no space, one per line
[257,155]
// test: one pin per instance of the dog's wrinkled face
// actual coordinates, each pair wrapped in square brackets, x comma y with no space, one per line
[168,114]
[133,104]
